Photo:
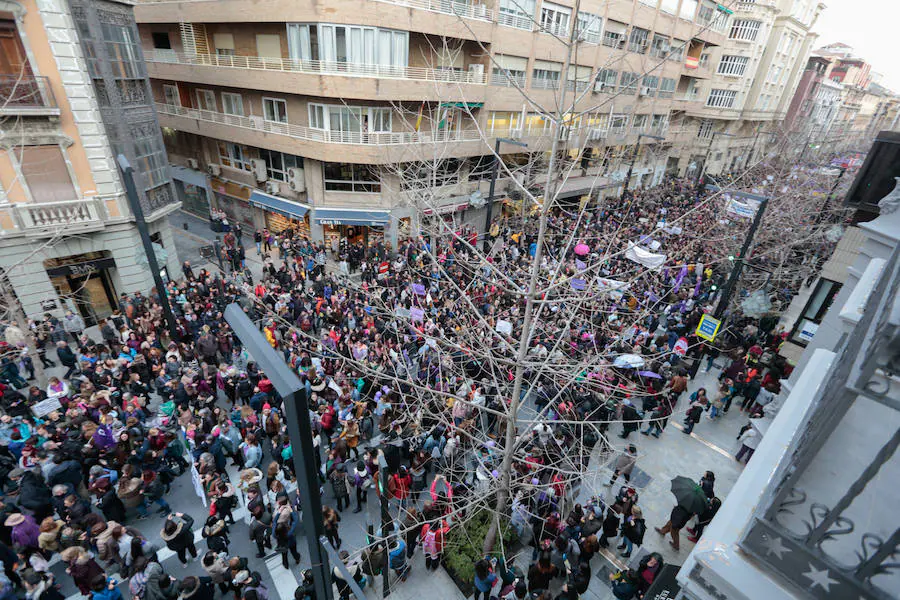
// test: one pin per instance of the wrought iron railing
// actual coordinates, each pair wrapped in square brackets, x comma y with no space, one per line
[828,525]
[25,93]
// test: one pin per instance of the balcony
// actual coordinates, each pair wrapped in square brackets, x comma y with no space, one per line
[350,80]
[40,219]
[26,95]
[478,12]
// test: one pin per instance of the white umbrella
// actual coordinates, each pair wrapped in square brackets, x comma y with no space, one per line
[628,361]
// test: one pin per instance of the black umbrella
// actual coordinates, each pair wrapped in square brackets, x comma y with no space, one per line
[689,495]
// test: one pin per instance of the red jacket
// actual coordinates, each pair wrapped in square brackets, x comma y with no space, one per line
[400,486]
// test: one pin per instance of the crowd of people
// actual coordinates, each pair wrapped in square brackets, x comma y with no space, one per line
[410,371]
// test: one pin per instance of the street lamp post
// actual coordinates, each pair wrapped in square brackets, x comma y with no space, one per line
[296,413]
[137,210]
[490,202]
[637,148]
[712,140]
[724,299]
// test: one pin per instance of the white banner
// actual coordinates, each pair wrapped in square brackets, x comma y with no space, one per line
[643,257]
[746,210]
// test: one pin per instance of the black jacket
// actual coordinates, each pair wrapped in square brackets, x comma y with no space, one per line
[33,492]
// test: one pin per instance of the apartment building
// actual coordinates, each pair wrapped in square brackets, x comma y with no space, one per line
[755,74]
[73,94]
[327,119]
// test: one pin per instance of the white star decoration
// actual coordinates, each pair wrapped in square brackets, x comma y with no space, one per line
[774,546]
[820,578]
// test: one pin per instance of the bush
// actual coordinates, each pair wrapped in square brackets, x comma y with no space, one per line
[464,545]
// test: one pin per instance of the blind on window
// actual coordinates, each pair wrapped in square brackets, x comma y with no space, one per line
[546,65]
[46,174]
[223,41]
[511,63]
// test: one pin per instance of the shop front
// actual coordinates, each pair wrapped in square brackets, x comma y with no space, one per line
[451,212]
[234,200]
[352,224]
[84,285]
[282,214]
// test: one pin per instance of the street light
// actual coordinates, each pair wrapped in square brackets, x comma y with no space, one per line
[634,154]
[708,151]
[490,202]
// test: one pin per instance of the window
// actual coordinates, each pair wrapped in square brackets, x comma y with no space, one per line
[707,14]
[774,74]
[46,173]
[704,61]
[232,104]
[660,46]
[150,157]
[676,52]
[669,6]
[234,156]
[537,123]
[629,82]
[170,93]
[763,102]
[350,119]
[637,41]
[317,116]
[706,129]
[721,98]
[500,121]
[275,110]
[589,27]
[277,164]
[649,83]
[341,45]
[545,75]
[206,100]
[618,123]
[415,175]
[606,80]
[814,311]
[346,177]
[666,87]
[732,66]
[509,71]
[659,123]
[224,43]
[639,122]
[122,46]
[555,18]
[688,9]
[517,13]
[744,30]
[614,34]
[268,45]
[161,40]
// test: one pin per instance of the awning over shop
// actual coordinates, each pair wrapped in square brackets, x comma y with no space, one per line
[278,205]
[352,216]
[449,205]
[469,105]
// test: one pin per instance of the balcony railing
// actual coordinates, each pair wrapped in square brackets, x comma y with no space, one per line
[26,94]
[508,79]
[303,132]
[40,217]
[317,67]
[478,12]
[516,21]
[828,522]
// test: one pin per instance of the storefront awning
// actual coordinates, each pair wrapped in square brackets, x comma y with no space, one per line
[278,205]
[352,216]
[469,105]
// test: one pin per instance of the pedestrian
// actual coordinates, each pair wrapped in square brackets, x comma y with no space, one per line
[624,464]
[67,358]
[74,326]
[749,440]
[633,530]
[485,578]
[340,485]
[331,519]
[412,526]
[432,537]
[179,537]
[704,519]
[343,588]
[217,569]
[397,558]
[678,518]
[361,482]
[82,567]
[694,412]
[285,540]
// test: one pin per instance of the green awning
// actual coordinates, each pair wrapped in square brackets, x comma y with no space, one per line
[469,105]
[724,9]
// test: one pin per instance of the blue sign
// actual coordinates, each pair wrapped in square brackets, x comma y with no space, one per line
[708,328]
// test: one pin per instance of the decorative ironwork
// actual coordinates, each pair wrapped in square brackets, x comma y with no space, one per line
[820,548]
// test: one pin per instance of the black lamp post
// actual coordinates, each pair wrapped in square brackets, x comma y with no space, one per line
[634,154]
[490,202]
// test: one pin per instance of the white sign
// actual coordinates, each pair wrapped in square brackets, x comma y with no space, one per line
[746,210]
[45,407]
[643,257]
[807,331]
[504,327]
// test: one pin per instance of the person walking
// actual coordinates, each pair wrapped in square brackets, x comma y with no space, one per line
[340,485]
[485,578]
[432,536]
[361,482]
[624,465]
[678,518]
[67,358]
[331,520]
[704,519]
[749,440]
[633,530]
[695,411]
[178,535]
[73,325]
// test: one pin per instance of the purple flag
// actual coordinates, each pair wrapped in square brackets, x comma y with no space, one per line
[416,314]
[418,289]
[580,265]
[681,275]
[578,283]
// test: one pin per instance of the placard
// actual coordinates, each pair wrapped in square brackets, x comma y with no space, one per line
[45,407]
[708,328]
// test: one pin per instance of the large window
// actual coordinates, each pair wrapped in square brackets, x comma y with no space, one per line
[555,18]
[688,9]
[346,177]
[275,110]
[744,30]
[277,163]
[606,80]
[517,13]
[660,46]
[733,66]
[123,50]
[814,311]
[721,98]
[339,45]
[638,40]
[417,175]
[350,119]
[589,27]
[232,104]
[502,122]
[618,123]
[46,174]
[150,156]
[639,122]
[614,34]
[629,82]
[676,52]
[705,130]
[170,95]
[666,87]
[649,84]
[206,100]
[509,71]
[545,75]
[234,156]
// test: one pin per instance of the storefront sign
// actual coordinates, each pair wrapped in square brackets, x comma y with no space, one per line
[81,269]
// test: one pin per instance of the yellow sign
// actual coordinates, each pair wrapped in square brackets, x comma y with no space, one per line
[708,328]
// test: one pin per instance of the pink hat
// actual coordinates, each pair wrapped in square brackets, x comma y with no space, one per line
[266,406]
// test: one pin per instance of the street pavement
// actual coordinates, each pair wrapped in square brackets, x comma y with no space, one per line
[710,447]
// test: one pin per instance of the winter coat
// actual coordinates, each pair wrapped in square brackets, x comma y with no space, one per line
[339,483]
[183,536]
[634,530]
[625,463]
[432,537]
[33,492]
[218,571]
[205,590]
[83,572]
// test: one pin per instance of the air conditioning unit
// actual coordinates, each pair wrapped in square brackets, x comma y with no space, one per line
[645,90]
[214,170]
[602,86]
[192,163]
[259,169]
[257,121]
[297,179]
[272,187]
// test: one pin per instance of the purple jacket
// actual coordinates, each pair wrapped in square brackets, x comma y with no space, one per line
[25,534]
